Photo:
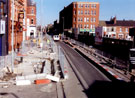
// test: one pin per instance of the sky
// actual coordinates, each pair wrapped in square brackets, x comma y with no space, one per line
[48,10]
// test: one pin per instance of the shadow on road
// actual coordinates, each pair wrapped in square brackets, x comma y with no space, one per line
[105,89]
[6,94]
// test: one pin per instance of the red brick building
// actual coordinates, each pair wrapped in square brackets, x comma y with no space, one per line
[19,8]
[80,17]
[117,29]
[31,20]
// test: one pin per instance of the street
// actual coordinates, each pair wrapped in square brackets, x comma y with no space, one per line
[99,86]
[67,49]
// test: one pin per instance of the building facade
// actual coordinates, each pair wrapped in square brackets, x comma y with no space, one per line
[31,20]
[80,17]
[3,26]
[117,29]
[19,8]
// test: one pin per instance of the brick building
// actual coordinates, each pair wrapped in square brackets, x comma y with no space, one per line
[31,20]
[80,17]
[3,30]
[19,8]
[117,29]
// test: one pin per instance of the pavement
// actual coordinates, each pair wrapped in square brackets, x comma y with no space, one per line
[33,58]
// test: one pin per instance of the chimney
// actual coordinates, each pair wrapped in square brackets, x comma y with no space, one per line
[114,20]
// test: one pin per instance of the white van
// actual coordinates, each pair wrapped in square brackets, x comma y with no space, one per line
[56,37]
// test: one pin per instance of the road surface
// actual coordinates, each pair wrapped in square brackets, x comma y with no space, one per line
[99,85]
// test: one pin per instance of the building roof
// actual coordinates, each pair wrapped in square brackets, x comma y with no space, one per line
[80,2]
[31,2]
[117,23]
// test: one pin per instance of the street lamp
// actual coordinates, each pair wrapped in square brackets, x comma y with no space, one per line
[63,26]
[12,37]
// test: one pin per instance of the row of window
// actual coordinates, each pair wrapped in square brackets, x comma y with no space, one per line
[85,5]
[85,26]
[114,29]
[86,19]
[87,12]
[120,36]
[126,30]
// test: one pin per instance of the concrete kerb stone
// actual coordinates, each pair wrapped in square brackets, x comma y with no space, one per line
[31,77]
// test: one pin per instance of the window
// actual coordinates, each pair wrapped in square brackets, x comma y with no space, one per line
[79,5]
[94,26]
[126,29]
[78,19]
[91,19]
[32,21]
[112,29]
[91,26]
[88,12]
[74,5]
[120,29]
[94,19]
[74,19]
[78,25]
[88,5]
[32,11]
[87,19]
[84,19]
[74,12]
[120,36]
[85,12]
[91,12]
[81,26]
[94,12]
[81,19]
[92,5]
[81,12]
[85,5]
[87,26]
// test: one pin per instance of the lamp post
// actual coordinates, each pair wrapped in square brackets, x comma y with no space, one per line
[12,37]
[63,26]
[41,25]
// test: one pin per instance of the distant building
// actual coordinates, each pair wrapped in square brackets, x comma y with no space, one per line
[3,30]
[117,29]
[31,20]
[79,18]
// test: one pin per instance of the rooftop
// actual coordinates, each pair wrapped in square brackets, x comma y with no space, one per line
[115,22]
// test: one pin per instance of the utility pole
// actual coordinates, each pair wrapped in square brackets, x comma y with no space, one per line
[41,25]
[63,26]
[24,32]
[12,37]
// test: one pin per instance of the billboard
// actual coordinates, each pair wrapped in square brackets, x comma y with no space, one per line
[99,35]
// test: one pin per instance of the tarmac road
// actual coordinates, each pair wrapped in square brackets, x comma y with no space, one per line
[89,72]
[99,85]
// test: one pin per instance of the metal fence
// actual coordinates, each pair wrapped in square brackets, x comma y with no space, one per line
[61,56]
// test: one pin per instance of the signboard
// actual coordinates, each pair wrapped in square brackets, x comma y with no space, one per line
[2,27]
[98,35]
[81,30]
